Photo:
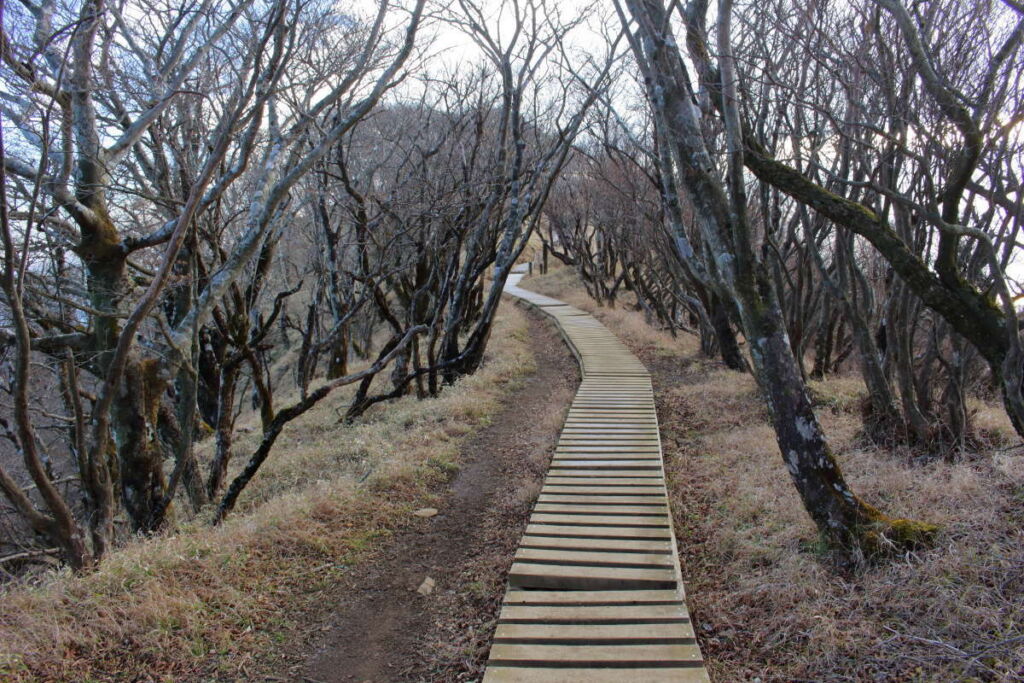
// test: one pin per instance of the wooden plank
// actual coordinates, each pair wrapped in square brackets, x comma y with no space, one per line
[586,439]
[589,437]
[645,425]
[586,434]
[604,461]
[606,411]
[654,500]
[609,444]
[537,528]
[590,444]
[597,465]
[611,510]
[646,402]
[623,387]
[595,633]
[608,454]
[632,674]
[614,398]
[576,485]
[616,430]
[645,420]
[589,432]
[646,492]
[653,484]
[586,431]
[625,545]
[644,459]
[619,415]
[529,575]
[595,655]
[594,598]
[606,477]
[644,398]
[597,475]
[581,452]
[604,408]
[612,428]
[560,489]
[567,557]
[611,400]
[598,401]
[640,612]
[621,454]
[645,481]
[630,441]
[608,447]
[590,416]
[600,520]
[614,404]
[610,405]
[648,428]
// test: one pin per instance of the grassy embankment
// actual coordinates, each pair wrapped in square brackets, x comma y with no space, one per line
[766,602]
[201,602]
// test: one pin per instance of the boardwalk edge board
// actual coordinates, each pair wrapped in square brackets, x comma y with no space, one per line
[595,591]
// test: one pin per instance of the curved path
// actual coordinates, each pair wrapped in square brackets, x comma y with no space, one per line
[595,594]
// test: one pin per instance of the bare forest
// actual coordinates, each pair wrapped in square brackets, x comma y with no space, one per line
[225,221]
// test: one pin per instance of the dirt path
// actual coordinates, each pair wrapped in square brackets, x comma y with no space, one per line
[384,630]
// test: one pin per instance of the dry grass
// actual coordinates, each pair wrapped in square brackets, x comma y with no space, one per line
[766,601]
[207,603]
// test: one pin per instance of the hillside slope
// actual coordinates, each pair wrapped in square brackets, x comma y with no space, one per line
[202,603]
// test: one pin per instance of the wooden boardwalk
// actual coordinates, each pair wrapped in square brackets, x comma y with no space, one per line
[595,594]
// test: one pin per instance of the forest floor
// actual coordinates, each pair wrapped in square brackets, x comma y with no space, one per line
[314,579]
[767,601]
[380,628]
[332,509]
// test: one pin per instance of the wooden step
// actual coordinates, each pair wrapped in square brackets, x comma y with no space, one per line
[621,674]
[593,598]
[655,499]
[574,557]
[600,521]
[624,545]
[558,577]
[596,654]
[536,528]
[608,634]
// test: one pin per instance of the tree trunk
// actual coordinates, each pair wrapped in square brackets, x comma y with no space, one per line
[839,515]
[824,344]
[848,524]
[224,429]
[728,346]
[337,366]
[135,413]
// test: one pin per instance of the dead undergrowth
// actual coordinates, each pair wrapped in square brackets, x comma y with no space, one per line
[767,603]
[203,603]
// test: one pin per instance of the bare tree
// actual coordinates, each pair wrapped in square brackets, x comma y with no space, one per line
[846,521]
[116,157]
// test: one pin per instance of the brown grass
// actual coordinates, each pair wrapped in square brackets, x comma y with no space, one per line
[216,603]
[766,601]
